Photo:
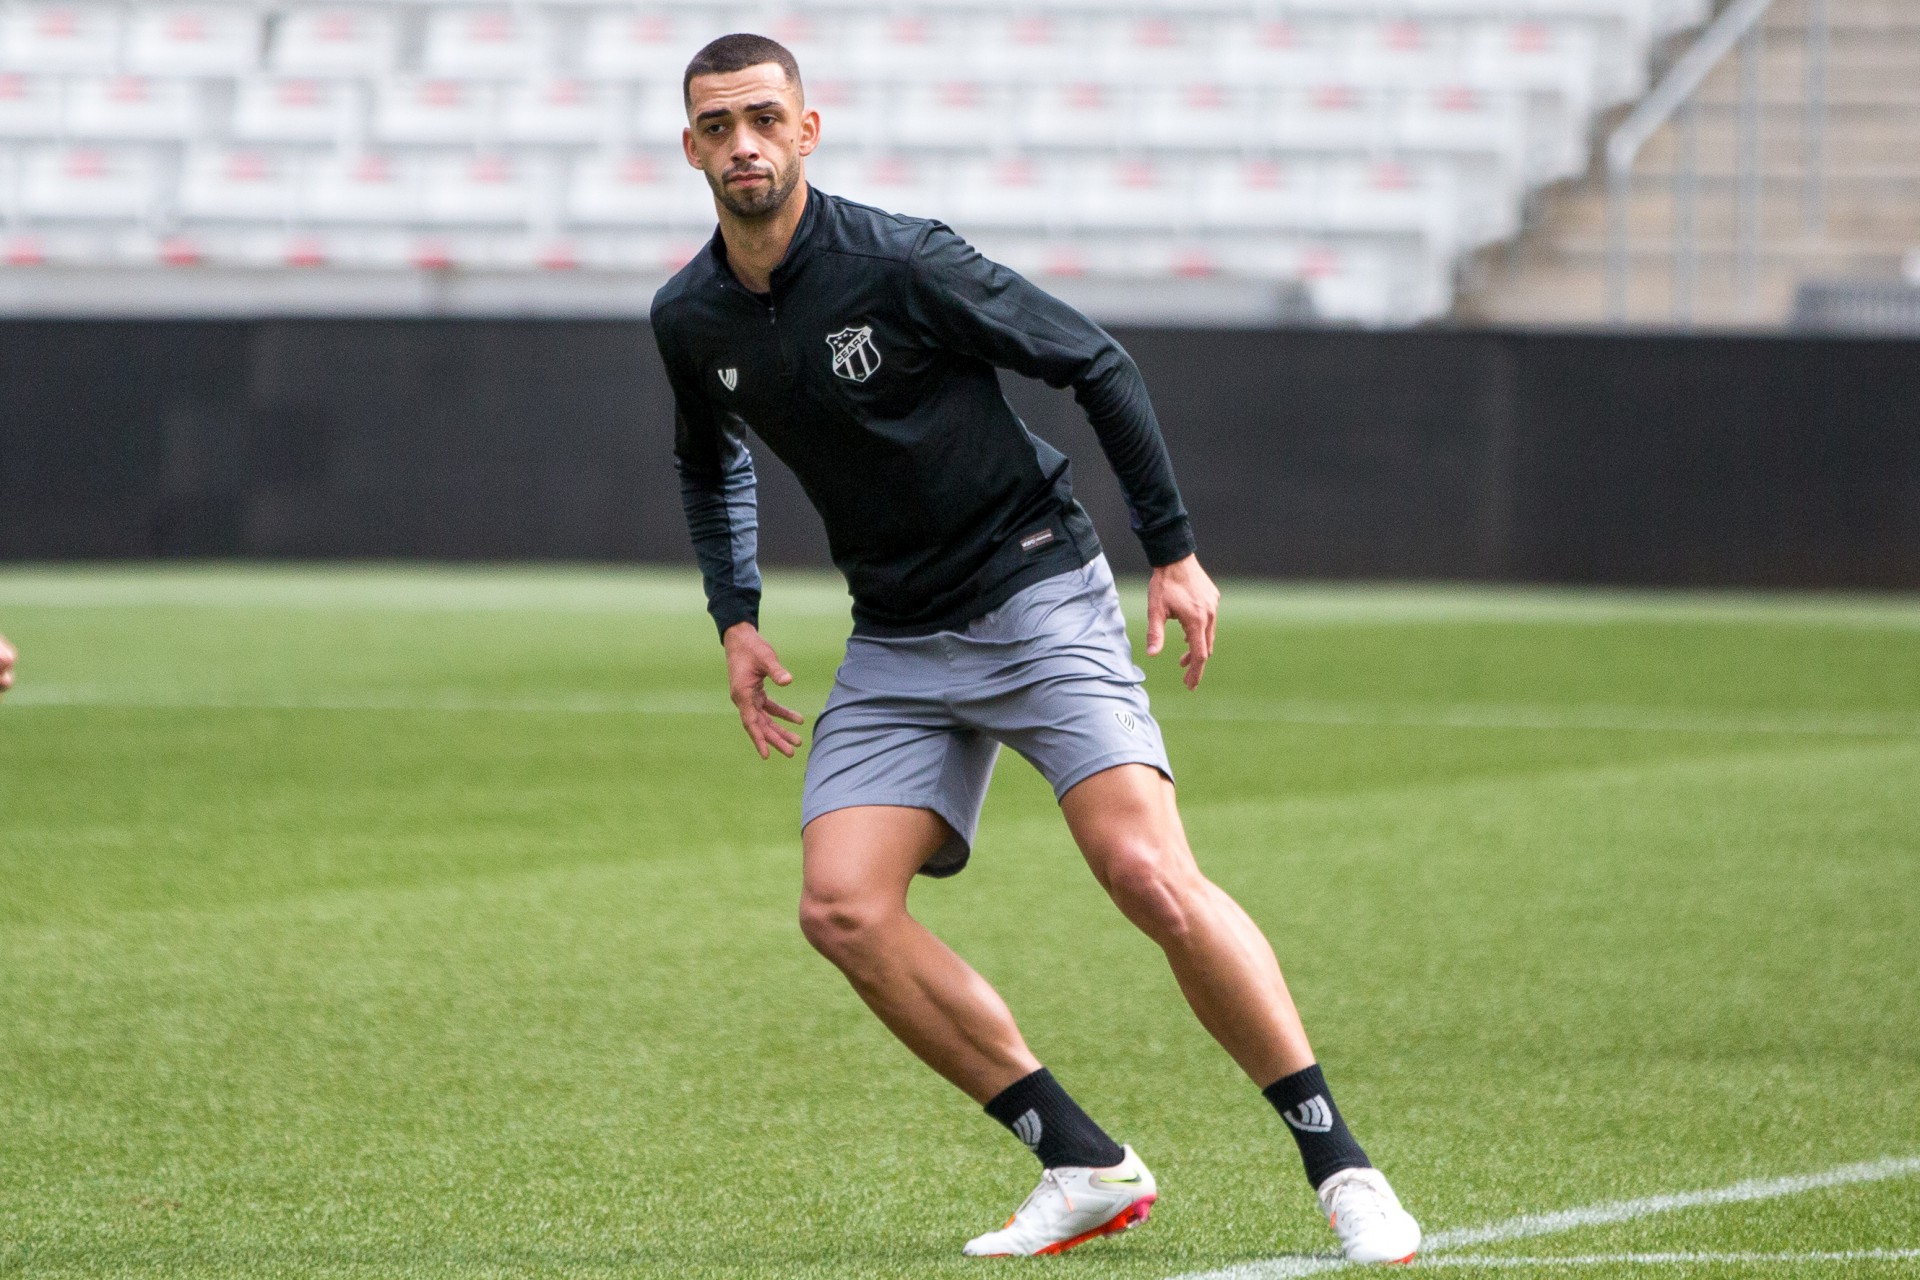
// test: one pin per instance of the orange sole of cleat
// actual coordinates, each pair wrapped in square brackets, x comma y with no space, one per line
[1131,1216]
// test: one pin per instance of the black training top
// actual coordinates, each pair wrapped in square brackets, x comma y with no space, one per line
[869,370]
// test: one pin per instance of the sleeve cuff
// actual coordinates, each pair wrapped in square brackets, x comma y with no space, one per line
[1168,543]
[734,607]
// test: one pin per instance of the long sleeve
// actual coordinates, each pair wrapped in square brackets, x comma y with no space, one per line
[718,495]
[983,309]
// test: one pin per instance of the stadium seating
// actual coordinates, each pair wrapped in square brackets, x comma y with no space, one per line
[1358,147]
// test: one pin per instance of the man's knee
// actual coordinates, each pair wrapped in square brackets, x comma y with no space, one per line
[1161,892]
[840,927]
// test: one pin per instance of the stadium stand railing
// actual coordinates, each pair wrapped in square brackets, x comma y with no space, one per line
[1353,149]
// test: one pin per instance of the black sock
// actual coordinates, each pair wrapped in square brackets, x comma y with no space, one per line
[1305,1103]
[1039,1113]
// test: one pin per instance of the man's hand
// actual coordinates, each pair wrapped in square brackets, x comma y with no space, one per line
[1183,591]
[7,655]
[751,662]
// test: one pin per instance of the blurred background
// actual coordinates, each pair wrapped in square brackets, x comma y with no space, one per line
[1557,290]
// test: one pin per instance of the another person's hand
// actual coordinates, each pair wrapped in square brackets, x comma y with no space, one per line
[1183,591]
[751,662]
[7,657]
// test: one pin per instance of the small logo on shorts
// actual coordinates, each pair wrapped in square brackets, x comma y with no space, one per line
[1127,721]
[730,378]
[1035,541]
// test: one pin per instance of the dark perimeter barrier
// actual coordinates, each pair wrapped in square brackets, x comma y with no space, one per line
[1479,455]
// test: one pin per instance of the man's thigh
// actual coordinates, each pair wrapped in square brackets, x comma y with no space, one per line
[868,852]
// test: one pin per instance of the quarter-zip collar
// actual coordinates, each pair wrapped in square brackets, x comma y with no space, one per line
[798,248]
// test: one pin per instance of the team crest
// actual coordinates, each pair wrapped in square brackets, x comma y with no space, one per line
[730,378]
[854,356]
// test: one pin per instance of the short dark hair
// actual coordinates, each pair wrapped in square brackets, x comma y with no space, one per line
[737,52]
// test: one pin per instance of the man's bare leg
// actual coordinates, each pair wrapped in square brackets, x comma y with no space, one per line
[859,863]
[1128,827]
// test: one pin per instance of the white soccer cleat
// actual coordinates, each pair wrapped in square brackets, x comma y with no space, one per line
[1070,1207]
[1366,1215]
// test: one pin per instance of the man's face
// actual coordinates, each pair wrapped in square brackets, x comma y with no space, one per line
[748,132]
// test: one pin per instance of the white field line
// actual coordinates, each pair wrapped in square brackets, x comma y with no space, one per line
[1669,1259]
[1438,716]
[1593,1215]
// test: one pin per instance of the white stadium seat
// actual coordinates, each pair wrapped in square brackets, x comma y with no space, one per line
[659,115]
[909,47]
[1010,192]
[295,109]
[1030,47]
[1277,51]
[229,185]
[335,42]
[478,190]
[887,181]
[199,40]
[132,107]
[484,43]
[370,187]
[60,37]
[560,111]
[29,106]
[955,114]
[1071,113]
[1258,195]
[89,183]
[643,189]
[429,111]
[852,112]
[1327,117]
[1130,194]
[643,44]
[1401,52]
[1152,49]
[1204,115]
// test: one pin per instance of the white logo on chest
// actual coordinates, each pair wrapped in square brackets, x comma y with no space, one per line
[854,356]
[729,378]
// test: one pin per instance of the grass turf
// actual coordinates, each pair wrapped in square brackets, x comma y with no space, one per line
[439,923]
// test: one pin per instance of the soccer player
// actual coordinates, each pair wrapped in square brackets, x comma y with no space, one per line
[860,346]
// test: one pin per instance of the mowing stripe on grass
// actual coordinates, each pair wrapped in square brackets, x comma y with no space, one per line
[1411,716]
[1593,1215]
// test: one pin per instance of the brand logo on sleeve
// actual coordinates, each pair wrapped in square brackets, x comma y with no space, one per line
[729,378]
[855,358]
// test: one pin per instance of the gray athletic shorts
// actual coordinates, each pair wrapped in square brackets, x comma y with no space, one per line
[917,721]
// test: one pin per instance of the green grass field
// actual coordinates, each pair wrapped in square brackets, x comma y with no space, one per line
[440,923]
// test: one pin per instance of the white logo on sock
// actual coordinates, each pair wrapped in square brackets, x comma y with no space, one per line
[1311,1116]
[1027,1129]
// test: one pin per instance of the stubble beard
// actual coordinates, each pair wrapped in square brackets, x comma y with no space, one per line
[756,205]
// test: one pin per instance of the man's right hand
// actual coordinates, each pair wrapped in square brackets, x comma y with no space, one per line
[7,656]
[751,662]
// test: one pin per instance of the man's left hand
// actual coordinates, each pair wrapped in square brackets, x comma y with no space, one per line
[1183,591]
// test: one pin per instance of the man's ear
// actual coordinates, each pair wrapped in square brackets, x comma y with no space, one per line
[686,147]
[809,131]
